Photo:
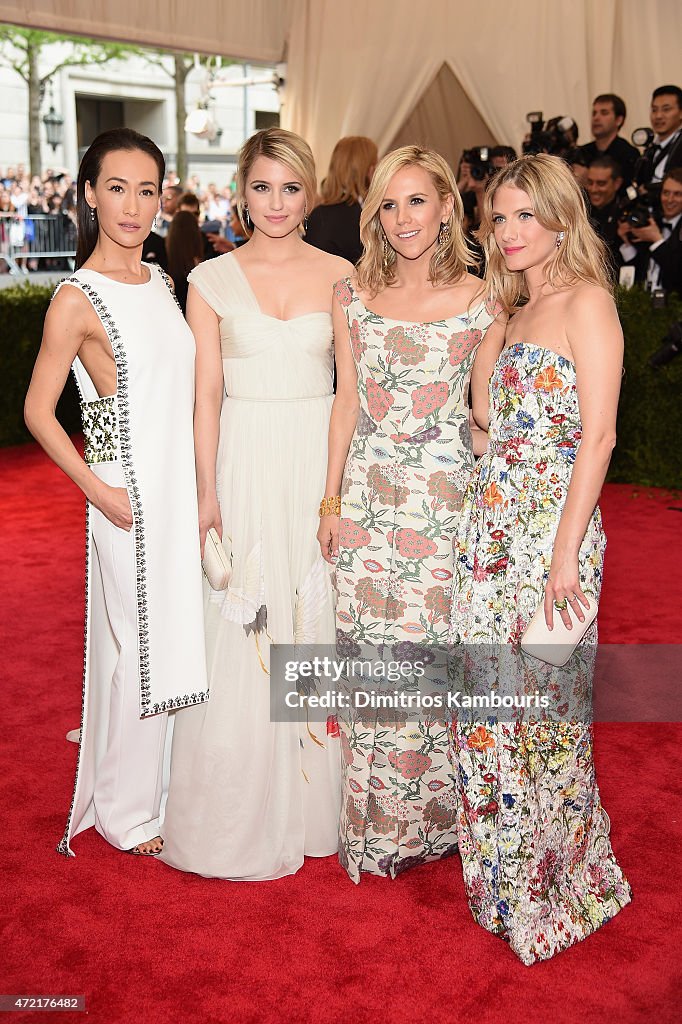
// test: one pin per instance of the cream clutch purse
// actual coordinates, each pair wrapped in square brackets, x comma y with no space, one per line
[556,646]
[215,563]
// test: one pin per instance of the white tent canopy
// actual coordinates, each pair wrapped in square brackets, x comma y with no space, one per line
[253,30]
[443,72]
[361,68]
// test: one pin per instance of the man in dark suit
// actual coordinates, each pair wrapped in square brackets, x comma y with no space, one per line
[655,250]
[608,117]
[604,180]
[665,154]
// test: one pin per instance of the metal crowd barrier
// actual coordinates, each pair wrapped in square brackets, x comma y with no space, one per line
[41,241]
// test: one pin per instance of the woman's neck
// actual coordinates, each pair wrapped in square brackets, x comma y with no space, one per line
[536,284]
[413,275]
[110,258]
[274,250]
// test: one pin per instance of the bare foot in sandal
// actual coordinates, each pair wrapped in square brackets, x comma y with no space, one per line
[152,848]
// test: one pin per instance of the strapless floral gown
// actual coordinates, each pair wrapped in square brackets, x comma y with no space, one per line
[533,836]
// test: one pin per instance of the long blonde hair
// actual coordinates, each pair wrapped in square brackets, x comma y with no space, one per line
[559,205]
[376,269]
[285,147]
[352,160]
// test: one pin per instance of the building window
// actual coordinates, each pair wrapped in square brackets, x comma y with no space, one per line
[266,119]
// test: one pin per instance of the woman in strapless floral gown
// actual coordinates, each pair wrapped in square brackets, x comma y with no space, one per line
[533,836]
[250,796]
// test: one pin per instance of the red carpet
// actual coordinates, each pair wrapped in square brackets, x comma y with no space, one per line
[145,943]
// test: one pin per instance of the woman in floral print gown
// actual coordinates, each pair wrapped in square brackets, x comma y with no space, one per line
[534,839]
[409,327]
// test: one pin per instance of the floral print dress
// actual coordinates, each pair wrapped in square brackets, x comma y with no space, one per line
[408,465]
[533,837]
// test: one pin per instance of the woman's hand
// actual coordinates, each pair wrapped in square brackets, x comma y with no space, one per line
[114,503]
[564,584]
[328,536]
[209,516]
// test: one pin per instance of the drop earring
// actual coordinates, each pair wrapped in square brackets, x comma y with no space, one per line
[93,215]
[559,239]
[387,254]
[247,217]
[305,218]
[444,234]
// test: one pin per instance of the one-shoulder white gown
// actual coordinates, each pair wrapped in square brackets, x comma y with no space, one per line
[249,798]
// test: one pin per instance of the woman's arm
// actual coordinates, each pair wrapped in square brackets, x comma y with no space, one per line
[66,328]
[479,438]
[487,355]
[596,339]
[341,426]
[208,398]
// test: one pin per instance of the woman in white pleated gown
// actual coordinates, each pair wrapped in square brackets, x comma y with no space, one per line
[249,797]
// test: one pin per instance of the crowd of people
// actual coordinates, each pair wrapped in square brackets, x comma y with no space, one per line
[37,217]
[634,196]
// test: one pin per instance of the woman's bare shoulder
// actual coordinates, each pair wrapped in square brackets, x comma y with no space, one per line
[586,298]
[334,267]
[471,287]
[70,303]
[585,292]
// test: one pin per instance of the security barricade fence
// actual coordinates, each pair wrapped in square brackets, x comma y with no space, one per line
[41,241]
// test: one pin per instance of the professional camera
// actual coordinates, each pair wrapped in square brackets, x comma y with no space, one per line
[557,136]
[643,138]
[634,209]
[671,347]
[478,159]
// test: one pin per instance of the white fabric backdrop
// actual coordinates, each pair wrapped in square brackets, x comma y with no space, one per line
[252,29]
[360,68]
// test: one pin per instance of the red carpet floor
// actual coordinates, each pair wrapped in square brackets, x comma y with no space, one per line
[145,943]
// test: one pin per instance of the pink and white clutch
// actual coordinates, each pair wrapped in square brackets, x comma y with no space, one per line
[557,645]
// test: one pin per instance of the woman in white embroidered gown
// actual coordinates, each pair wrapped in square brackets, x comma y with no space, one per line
[117,322]
[249,797]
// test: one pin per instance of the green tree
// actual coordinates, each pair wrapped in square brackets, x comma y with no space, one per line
[20,50]
[182,64]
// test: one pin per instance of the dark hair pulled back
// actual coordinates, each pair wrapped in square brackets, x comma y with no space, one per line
[90,166]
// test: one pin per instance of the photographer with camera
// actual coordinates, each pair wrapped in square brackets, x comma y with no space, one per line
[655,248]
[476,167]
[558,136]
[604,181]
[666,121]
[608,117]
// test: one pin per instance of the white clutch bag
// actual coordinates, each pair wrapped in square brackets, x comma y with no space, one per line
[556,646]
[215,563]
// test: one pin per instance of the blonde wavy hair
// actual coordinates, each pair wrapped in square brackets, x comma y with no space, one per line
[451,258]
[285,147]
[558,204]
[349,170]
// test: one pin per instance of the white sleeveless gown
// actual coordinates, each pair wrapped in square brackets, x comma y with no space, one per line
[249,798]
[144,645]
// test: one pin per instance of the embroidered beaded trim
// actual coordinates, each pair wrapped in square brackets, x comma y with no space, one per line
[123,402]
[100,427]
[169,285]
